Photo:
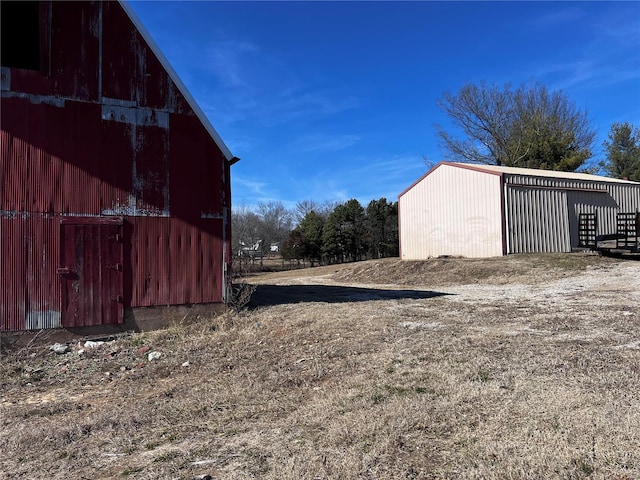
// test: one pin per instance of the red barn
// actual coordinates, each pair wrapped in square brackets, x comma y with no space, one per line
[114,187]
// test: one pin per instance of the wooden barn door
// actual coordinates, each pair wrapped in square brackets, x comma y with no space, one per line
[91,252]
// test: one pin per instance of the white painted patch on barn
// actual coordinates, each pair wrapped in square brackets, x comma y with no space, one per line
[36,99]
[143,117]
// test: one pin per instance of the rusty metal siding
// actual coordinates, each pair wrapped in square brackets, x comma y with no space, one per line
[75,41]
[174,262]
[138,77]
[42,282]
[202,195]
[103,130]
[12,281]
[30,287]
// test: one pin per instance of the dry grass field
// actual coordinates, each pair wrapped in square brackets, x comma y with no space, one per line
[523,367]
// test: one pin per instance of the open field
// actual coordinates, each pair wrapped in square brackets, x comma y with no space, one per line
[523,367]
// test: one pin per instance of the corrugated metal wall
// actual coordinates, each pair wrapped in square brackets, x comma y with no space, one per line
[188,255]
[30,286]
[536,220]
[451,211]
[106,132]
[542,212]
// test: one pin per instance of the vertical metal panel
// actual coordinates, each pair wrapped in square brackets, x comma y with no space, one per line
[205,194]
[137,76]
[151,181]
[42,282]
[74,43]
[175,262]
[452,211]
[12,268]
[28,281]
[537,220]
[15,156]
[43,185]
[81,159]
[116,167]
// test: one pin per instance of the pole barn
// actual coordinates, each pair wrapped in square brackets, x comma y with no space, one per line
[483,211]
[114,187]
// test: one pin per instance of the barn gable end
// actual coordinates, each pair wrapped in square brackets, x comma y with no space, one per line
[114,187]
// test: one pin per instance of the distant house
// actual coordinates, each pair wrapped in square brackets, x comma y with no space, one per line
[484,211]
[114,187]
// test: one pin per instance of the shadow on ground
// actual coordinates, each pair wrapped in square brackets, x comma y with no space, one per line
[267,295]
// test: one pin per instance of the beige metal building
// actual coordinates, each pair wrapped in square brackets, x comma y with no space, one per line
[485,211]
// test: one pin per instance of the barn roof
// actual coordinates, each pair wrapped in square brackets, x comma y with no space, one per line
[178,82]
[532,172]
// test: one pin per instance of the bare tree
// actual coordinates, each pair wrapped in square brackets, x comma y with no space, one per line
[305,207]
[276,223]
[528,127]
[245,229]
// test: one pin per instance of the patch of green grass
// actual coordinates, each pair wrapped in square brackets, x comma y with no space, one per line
[139,340]
[585,467]
[377,398]
[483,375]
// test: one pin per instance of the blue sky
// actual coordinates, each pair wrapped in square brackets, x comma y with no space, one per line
[329,101]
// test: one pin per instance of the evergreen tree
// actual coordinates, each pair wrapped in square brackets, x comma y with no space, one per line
[623,152]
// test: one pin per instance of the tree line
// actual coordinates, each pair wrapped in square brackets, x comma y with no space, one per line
[317,233]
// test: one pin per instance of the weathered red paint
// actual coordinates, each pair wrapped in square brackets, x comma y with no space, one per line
[189,254]
[103,132]
[91,271]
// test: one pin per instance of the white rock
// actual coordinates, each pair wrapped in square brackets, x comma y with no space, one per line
[91,344]
[185,364]
[154,356]
[59,348]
